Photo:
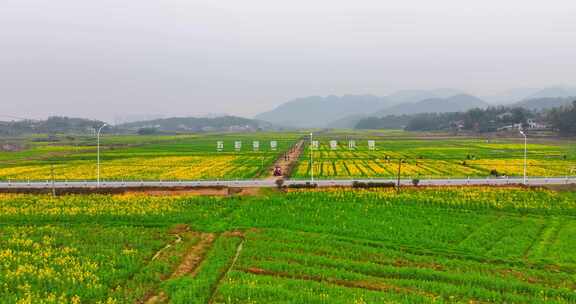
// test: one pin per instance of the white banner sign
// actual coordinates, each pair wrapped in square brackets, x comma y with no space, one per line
[351,144]
[333,144]
[237,145]
[273,145]
[219,146]
[315,145]
[372,145]
[255,145]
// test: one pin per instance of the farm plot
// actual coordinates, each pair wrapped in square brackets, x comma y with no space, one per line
[79,264]
[173,158]
[424,245]
[435,158]
[284,266]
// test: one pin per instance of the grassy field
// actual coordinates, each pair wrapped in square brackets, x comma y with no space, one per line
[435,157]
[423,245]
[184,157]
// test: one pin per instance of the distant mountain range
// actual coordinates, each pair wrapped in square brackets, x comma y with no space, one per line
[317,111]
[516,95]
[337,112]
[544,103]
[554,92]
[456,103]
[345,111]
[510,96]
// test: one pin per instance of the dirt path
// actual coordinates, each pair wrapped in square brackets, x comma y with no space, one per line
[189,264]
[287,161]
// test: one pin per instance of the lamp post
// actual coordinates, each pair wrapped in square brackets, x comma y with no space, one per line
[311,161]
[525,153]
[98,155]
[399,171]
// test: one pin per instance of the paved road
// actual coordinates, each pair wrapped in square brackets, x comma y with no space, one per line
[271,183]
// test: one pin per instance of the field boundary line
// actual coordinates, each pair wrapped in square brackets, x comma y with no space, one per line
[539,238]
[498,218]
[548,234]
[224,274]
[374,286]
[383,278]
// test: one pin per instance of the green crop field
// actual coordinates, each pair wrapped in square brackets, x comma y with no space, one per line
[434,157]
[195,157]
[183,157]
[422,245]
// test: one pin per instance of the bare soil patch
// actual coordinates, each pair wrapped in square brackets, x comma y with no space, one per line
[568,187]
[194,256]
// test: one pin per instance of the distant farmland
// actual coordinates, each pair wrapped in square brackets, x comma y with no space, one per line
[185,157]
[435,158]
[195,157]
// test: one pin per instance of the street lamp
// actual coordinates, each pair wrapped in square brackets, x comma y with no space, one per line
[311,161]
[98,155]
[525,153]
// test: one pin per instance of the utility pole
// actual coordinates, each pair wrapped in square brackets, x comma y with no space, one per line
[525,154]
[98,156]
[399,170]
[53,185]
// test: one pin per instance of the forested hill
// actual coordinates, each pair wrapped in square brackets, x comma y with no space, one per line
[562,119]
[68,125]
[52,125]
[195,124]
[456,103]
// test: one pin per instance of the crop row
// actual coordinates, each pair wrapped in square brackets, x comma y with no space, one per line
[283,254]
[389,168]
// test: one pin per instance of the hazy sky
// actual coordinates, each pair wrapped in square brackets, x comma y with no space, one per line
[184,57]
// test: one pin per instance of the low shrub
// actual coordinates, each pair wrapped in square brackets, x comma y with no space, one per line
[357,184]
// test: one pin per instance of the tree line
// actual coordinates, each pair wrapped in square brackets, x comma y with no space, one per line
[491,119]
[564,119]
[52,125]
